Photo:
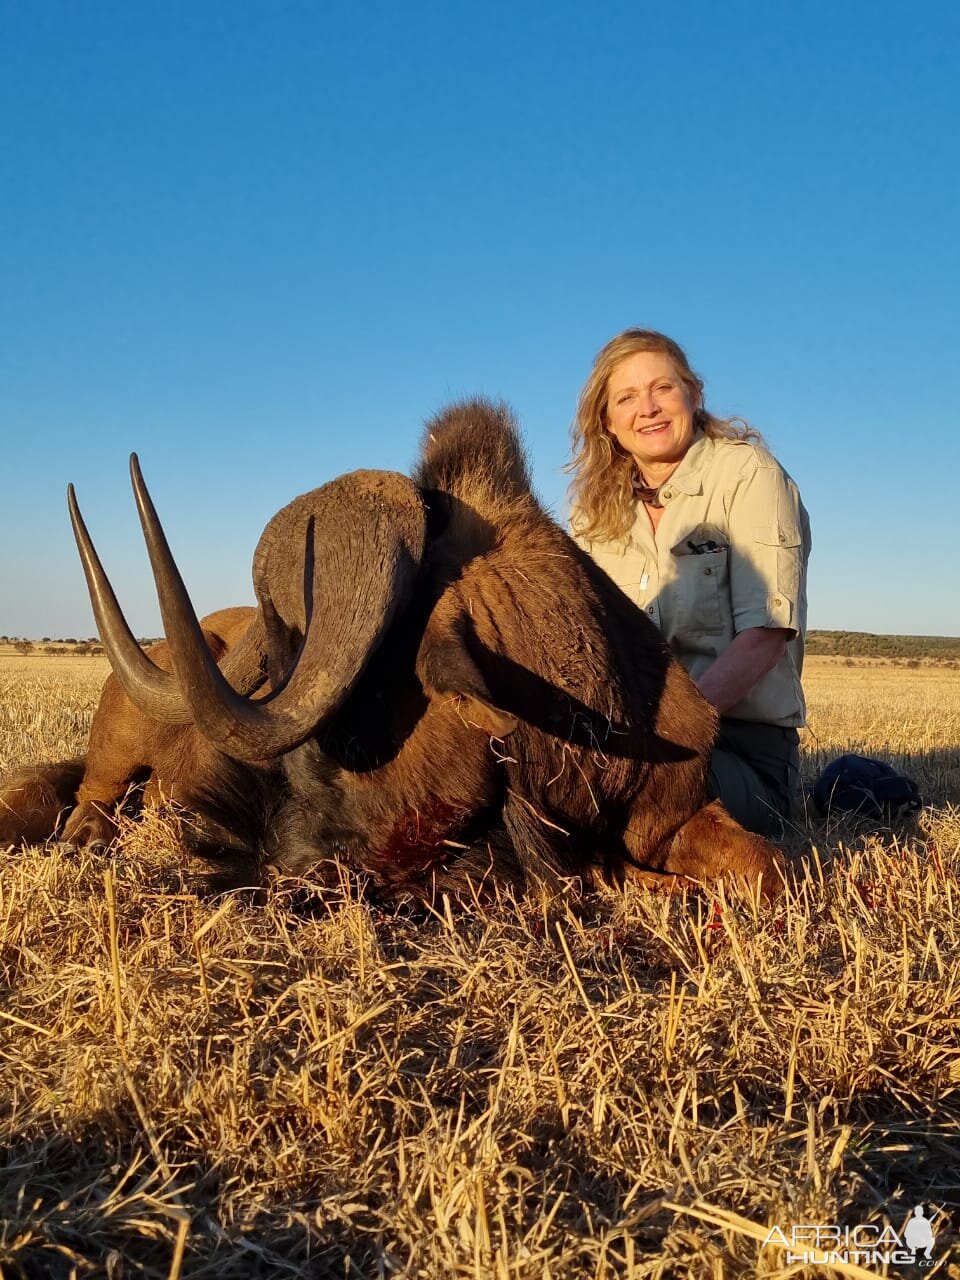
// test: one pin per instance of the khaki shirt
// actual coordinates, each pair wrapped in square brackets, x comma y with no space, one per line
[730,554]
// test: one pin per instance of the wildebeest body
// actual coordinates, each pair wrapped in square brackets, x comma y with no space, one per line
[512,631]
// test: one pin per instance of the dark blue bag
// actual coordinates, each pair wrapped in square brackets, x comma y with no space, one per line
[865,787]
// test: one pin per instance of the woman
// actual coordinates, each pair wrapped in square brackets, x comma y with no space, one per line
[705,531]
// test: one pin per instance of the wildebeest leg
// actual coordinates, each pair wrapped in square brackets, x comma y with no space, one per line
[712,844]
[98,798]
[119,739]
[91,825]
[33,801]
[124,746]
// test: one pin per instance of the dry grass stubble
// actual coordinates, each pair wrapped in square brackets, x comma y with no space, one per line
[629,1086]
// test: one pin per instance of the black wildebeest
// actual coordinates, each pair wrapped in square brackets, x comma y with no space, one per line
[457,690]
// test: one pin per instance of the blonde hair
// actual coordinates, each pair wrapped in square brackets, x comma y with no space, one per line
[601,492]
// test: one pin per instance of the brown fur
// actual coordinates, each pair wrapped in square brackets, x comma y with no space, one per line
[125,747]
[35,800]
[712,843]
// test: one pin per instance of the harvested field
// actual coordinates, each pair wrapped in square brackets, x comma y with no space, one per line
[627,1086]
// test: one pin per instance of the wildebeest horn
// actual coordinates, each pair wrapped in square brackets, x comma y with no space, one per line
[154,690]
[334,567]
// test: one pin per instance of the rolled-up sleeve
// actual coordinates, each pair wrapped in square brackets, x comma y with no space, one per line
[769,546]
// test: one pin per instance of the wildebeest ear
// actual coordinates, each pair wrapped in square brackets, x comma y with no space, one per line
[446,669]
[486,716]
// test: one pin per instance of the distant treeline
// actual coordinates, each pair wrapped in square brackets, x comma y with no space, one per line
[861,644]
[836,644]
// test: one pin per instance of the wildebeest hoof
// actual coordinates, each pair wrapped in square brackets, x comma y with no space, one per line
[658,881]
[89,827]
[711,844]
[84,846]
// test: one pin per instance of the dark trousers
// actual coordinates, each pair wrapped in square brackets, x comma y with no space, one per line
[755,772]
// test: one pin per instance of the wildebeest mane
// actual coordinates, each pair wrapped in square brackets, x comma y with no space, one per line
[472,451]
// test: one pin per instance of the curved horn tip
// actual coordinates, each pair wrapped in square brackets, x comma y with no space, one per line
[135,472]
[73,508]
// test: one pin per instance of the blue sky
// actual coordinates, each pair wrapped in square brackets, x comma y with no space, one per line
[260,243]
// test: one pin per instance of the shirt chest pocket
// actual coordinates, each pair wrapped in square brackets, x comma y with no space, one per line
[701,584]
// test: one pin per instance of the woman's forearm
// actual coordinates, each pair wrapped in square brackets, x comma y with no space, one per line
[748,657]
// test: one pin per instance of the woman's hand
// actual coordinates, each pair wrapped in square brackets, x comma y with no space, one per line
[748,657]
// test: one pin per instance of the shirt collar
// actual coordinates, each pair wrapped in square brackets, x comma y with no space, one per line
[688,477]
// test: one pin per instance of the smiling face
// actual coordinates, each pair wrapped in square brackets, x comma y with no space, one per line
[650,412]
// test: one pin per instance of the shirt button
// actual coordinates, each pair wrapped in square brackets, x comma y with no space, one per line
[777,600]
[708,572]
[667,495]
[651,610]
